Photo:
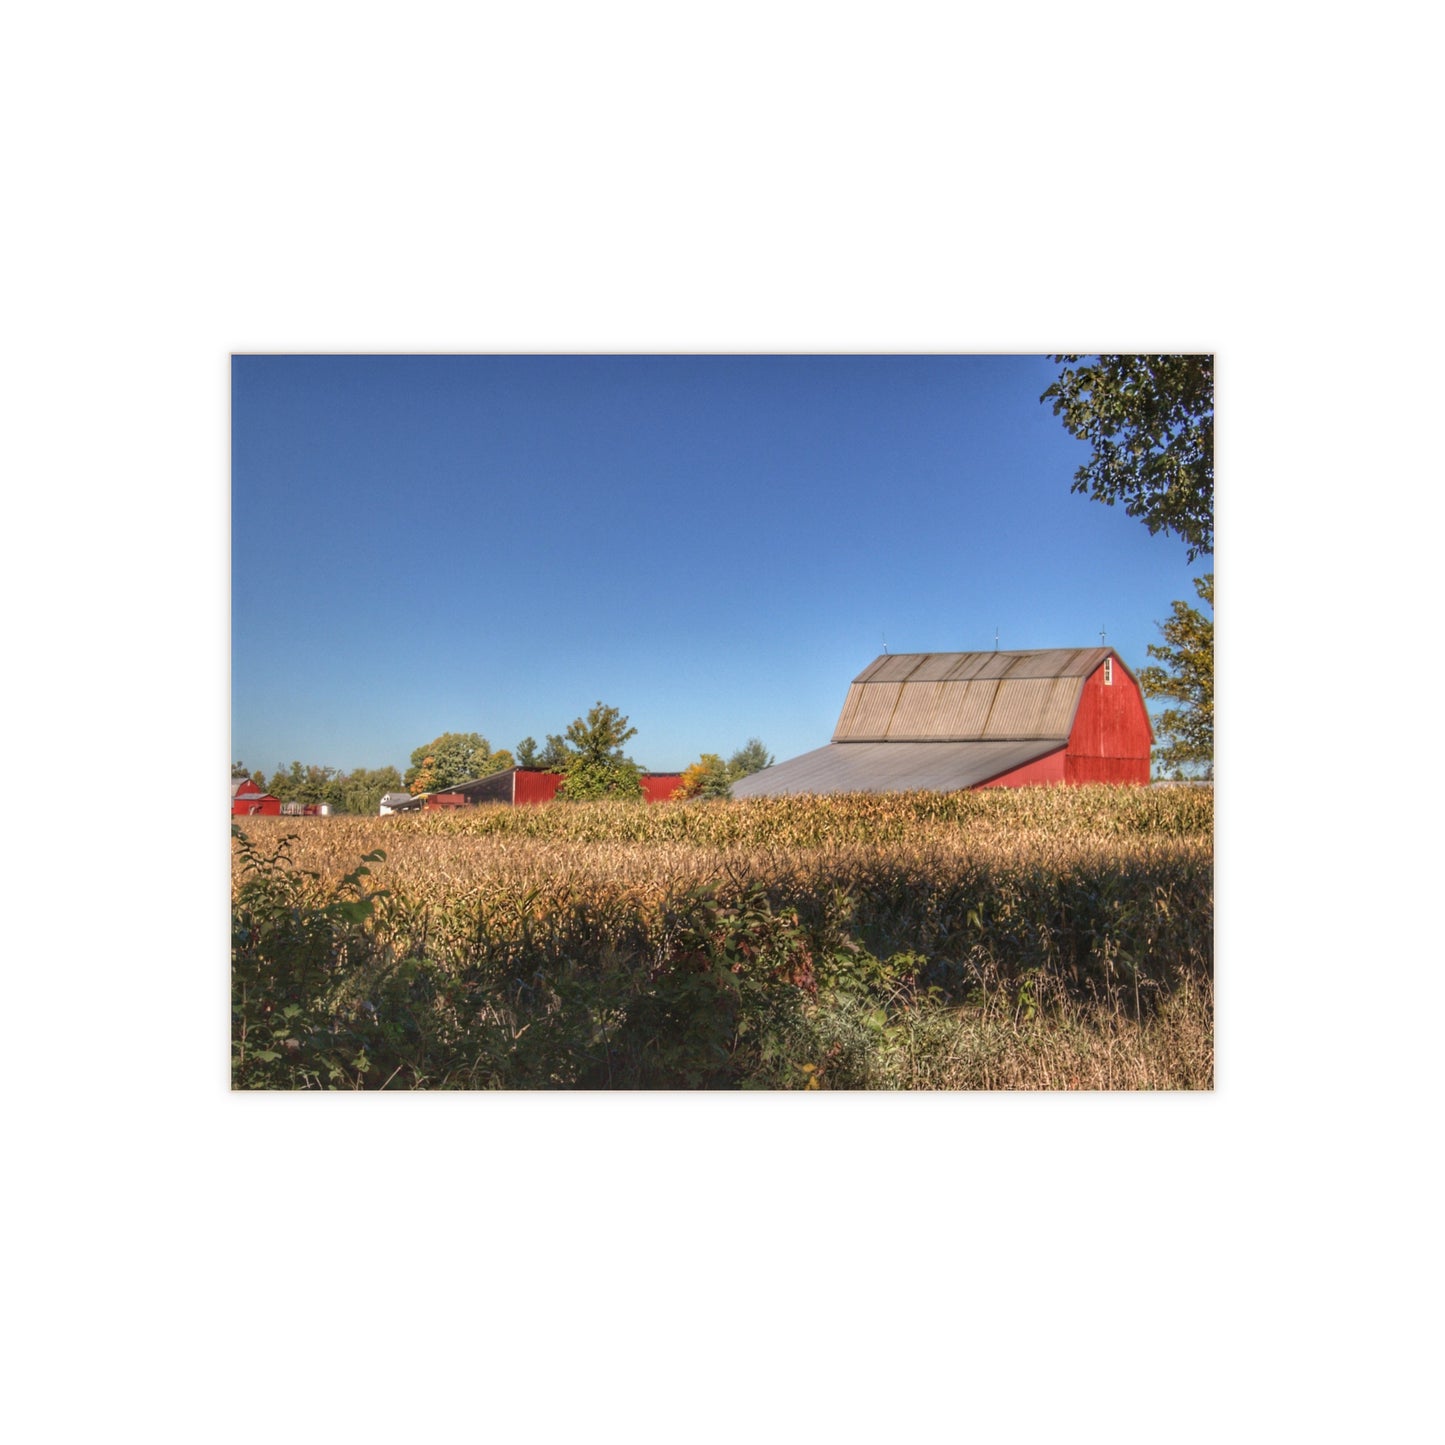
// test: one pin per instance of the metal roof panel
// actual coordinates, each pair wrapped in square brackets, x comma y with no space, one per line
[944,710]
[1032,707]
[867,710]
[962,696]
[890,767]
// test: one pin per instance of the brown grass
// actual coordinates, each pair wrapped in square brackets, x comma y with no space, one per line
[1072,928]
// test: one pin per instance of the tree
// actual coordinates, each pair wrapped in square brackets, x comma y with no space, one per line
[554,756]
[709,777]
[595,765]
[1150,421]
[309,784]
[752,757]
[363,788]
[240,770]
[359,791]
[527,756]
[451,759]
[1185,734]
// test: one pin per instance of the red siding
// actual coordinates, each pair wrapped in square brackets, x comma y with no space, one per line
[1110,741]
[250,805]
[534,786]
[1050,769]
[531,786]
[539,787]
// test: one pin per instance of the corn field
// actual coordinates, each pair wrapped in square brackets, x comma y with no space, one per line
[1042,938]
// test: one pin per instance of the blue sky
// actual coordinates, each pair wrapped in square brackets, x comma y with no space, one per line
[716,545]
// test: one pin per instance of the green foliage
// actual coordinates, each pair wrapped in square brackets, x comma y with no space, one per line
[588,778]
[310,784]
[595,765]
[752,757]
[730,979]
[527,754]
[554,754]
[293,951]
[359,791]
[450,759]
[1150,422]
[363,789]
[1185,734]
[709,777]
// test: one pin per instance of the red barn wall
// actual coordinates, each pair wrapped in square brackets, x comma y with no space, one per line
[535,787]
[250,805]
[539,787]
[1049,769]
[1110,741]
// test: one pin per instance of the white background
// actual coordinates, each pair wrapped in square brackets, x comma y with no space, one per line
[185,182]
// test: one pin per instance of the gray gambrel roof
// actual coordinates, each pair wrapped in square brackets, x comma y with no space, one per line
[967,696]
[937,721]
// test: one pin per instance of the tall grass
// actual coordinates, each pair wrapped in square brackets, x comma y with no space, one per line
[1038,938]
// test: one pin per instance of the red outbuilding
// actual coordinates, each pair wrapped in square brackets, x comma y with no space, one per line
[659,787]
[941,721]
[537,785]
[247,800]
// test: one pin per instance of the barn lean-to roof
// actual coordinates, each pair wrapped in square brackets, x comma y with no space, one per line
[893,767]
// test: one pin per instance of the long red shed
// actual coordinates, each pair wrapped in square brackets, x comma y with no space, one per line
[941,721]
[536,785]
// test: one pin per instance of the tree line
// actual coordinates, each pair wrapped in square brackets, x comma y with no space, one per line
[358,791]
[590,754]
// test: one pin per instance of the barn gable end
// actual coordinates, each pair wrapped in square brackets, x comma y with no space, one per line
[1111,739]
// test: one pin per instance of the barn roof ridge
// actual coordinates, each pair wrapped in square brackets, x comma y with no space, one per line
[990,651]
[1067,662]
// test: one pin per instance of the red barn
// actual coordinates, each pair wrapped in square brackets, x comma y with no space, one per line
[941,721]
[248,801]
[659,787]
